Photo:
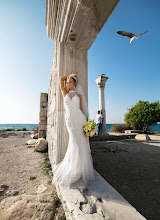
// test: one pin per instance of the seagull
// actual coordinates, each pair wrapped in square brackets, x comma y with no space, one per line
[130,35]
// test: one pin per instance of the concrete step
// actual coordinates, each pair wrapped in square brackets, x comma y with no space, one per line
[99,201]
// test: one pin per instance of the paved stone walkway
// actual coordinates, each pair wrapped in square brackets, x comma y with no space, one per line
[133,169]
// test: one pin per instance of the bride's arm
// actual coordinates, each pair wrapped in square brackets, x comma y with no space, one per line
[62,78]
[63,89]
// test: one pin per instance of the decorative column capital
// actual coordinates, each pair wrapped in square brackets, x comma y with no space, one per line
[101,80]
[77,22]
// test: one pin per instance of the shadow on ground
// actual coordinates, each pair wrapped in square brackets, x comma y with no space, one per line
[133,169]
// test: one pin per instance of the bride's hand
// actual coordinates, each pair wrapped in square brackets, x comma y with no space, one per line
[76,73]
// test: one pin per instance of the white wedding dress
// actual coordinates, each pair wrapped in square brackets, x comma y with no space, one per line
[77,165]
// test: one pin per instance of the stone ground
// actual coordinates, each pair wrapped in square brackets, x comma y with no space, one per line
[133,169]
[20,200]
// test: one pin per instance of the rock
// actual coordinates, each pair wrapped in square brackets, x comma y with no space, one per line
[4,135]
[132,131]
[41,144]
[34,136]
[22,135]
[3,186]
[41,206]
[41,188]
[1,192]
[142,137]
[12,192]
[31,142]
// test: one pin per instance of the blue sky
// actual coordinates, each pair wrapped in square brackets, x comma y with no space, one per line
[26,55]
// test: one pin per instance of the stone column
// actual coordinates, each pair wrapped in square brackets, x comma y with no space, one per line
[74,25]
[43,115]
[101,80]
[66,59]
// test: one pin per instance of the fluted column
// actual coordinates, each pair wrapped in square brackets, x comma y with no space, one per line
[66,59]
[74,25]
[101,80]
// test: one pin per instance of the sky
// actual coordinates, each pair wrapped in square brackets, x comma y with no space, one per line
[26,55]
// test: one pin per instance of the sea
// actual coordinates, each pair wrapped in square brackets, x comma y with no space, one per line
[155,128]
[18,126]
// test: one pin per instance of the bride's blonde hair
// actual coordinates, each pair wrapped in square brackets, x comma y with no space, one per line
[74,77]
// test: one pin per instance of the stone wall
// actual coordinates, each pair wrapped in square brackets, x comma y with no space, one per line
[43,115]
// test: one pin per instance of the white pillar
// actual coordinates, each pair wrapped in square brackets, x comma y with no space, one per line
[74,25]
[66,59]
[101,80]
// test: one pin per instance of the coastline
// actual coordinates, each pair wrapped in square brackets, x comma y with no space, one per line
[154,128]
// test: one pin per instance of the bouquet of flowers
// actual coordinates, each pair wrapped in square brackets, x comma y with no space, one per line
[89,128]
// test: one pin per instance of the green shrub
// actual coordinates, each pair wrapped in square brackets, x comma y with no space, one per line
[143,114]
[120,128]
[24,129]
[8,129]
[47,163]
[32,177]
[57,201]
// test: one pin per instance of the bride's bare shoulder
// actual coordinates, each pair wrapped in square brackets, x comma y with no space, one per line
[64,93]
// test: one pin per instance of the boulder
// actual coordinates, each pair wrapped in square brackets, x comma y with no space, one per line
[142,137]
[3,186]
[132,131]
[41,144]
[34,136]
[41,206]
[31,142]
[41,188]
[12,193]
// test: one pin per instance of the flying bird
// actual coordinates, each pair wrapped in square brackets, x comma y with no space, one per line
[130,35]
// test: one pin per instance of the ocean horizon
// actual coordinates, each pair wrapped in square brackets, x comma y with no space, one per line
[155,128]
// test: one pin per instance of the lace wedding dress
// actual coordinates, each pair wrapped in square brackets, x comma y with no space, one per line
[77,165]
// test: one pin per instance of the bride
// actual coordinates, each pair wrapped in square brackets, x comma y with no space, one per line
[77,165]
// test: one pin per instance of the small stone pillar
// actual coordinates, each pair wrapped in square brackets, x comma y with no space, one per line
[101,80]
[43,115]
